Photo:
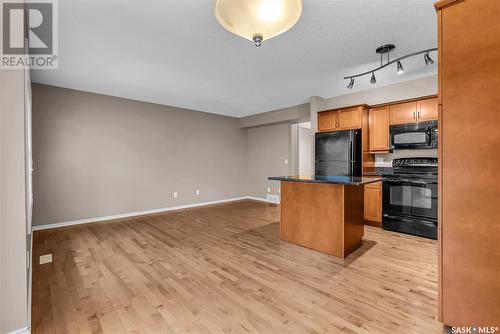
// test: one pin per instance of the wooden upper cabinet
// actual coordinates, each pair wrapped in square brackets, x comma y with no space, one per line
[427,110]
[342,119]
[416,111]
[403,113]
[349,118]
[378,129]
[327,121]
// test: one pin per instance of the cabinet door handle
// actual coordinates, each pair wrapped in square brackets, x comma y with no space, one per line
[414,116]
[418,114]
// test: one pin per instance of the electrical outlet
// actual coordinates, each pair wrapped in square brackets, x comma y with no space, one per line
[197,192]
[175,194]
[268,189]
[286,161]
[45,258]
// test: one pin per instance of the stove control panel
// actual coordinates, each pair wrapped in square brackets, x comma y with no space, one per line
[415,162]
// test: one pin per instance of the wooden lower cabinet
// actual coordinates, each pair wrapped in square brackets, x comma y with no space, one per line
[322,216]
[373,204]
[378,129]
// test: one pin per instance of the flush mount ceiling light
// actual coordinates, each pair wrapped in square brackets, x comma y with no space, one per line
[385,50]
[258,20]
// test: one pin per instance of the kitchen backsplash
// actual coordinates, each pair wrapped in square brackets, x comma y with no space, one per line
[385,160]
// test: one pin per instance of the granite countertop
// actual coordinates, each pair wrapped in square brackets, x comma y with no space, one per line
[345,180]
[380,171]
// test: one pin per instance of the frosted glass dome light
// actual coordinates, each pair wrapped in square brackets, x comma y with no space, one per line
[258,20]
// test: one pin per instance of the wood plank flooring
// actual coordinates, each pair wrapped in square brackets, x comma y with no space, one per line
[223,269]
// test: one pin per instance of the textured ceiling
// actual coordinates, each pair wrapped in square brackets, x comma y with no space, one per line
[175,53]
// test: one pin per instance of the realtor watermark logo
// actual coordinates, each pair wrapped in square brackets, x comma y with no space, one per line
[475,330]
[29,34]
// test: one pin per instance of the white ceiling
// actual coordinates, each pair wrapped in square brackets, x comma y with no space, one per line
[175,53]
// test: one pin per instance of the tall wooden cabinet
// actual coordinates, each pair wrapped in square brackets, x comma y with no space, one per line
[469,160]
[378,128]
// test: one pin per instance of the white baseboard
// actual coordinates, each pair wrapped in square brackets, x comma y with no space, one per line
[257,199]
[24,330]
[275,199]
[140,213]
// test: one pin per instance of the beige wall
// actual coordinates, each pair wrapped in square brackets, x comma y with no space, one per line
[268,147]
[295,114]
[97,155]
[13,273]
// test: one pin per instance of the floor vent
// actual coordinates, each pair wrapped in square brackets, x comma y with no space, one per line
[273,199]
[45,258]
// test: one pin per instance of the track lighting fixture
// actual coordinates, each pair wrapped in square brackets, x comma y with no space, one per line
[401,70]
[428,59]
[351,83]
[384,51]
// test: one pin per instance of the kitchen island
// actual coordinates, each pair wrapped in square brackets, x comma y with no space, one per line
[323,213]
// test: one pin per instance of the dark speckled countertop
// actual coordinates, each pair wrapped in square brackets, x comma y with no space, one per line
[380,171]
[345,180]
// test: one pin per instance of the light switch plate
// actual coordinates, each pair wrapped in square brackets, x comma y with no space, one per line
[45,258]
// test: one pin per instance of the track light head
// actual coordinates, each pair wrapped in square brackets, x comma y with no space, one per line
[401,70]
[373,80]
[351,83]
[428,59]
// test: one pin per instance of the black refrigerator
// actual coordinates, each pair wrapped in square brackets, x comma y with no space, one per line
[338,153]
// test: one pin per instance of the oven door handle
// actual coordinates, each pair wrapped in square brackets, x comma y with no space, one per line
[415,182]
[407,181]
[429,136]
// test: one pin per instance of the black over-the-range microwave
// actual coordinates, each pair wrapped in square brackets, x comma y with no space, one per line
[420,135]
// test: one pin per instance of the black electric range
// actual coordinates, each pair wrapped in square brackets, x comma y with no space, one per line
[410,197]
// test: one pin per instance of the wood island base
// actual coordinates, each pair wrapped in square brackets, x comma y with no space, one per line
[322,216]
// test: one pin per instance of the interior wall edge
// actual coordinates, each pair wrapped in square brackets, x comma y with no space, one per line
[293,114]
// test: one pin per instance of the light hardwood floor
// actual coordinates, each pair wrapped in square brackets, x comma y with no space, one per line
[222,269]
